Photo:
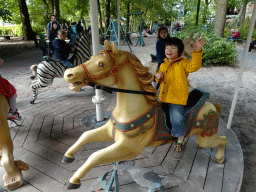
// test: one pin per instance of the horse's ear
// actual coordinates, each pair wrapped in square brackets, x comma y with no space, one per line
[114,48]
[191,35]
[107,45]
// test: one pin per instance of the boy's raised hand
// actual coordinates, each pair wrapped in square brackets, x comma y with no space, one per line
[199,44]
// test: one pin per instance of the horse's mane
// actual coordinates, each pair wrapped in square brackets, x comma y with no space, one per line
[145,78]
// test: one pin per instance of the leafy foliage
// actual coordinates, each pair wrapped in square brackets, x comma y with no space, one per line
[13,31]
[216,51]
[244,29]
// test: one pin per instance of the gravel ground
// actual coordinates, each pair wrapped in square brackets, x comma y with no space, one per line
[219,81]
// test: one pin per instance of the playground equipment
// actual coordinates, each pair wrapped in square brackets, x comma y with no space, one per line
[140,39]
[113,29]
[13,176]
[131,125]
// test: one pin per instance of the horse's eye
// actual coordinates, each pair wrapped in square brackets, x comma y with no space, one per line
[101,65]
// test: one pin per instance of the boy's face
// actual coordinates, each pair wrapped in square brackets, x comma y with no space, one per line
[171,52]
[163,34]
[61,36]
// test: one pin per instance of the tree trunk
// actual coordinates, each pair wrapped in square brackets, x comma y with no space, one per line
[108,12]
[206,6]
[56,9]
[128,18]
[99,11]
[185,7]
[51,6]
[243,12]
[27,31]
[197,11]
[220,17]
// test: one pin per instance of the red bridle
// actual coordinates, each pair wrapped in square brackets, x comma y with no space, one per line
[113,71]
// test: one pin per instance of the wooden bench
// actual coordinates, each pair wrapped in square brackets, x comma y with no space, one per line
[6,37]
[238,40]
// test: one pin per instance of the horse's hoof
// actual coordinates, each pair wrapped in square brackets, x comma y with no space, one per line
[73,186]
[32,102]
[13,181]
[66,159]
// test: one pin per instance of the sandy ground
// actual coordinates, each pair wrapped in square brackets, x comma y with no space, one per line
[219,81]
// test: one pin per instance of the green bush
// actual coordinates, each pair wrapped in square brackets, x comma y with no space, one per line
[216,51]
[38,29]
[13,30]
[227,32]
[244,29]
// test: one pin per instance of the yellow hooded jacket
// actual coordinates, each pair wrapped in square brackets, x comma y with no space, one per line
[174,86]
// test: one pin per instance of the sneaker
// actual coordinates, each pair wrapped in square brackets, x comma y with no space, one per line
[15,116]
[178,151]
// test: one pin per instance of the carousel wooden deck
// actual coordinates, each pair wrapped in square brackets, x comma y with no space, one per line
[53,124]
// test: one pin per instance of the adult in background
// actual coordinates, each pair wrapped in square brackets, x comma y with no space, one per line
[235,36]
[178,27]
[252,45]
[79,27]
[52,36]
[49,25]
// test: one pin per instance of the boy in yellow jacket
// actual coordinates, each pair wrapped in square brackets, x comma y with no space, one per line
[174,91]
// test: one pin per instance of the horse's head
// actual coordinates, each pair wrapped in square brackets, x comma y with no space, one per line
[188,49]
[100,69]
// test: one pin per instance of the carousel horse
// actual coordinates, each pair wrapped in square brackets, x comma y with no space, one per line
[13,176]
[48,70]
[137,120]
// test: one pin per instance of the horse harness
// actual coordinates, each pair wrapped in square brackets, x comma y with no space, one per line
[113,71]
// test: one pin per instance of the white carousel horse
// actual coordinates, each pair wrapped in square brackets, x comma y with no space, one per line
[135,119]
[13,176]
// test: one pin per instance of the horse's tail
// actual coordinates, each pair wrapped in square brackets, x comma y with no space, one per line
[33,70]
[218,107]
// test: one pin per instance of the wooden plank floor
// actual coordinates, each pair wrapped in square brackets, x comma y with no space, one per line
[53,124]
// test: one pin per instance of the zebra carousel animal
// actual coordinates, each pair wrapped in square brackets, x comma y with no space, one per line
[137,121]
[46,71]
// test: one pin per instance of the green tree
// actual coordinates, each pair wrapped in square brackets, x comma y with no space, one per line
[28,33]
[242,14]
[220,17]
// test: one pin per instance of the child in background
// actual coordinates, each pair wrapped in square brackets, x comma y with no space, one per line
[162,37]
[62,49]
[9,91]
[174,92]
[43,45]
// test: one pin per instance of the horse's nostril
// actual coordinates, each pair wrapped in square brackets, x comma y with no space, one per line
[70,76]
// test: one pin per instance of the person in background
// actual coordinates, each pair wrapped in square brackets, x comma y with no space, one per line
[178,27]
[52,36]
[235,35]
[162,37]
[252,45]
[79,27]
[174,92]
[62,49]
[49,25]
[9,91]
[43,45]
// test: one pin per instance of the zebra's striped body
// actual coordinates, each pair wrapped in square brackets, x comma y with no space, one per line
[47,71]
